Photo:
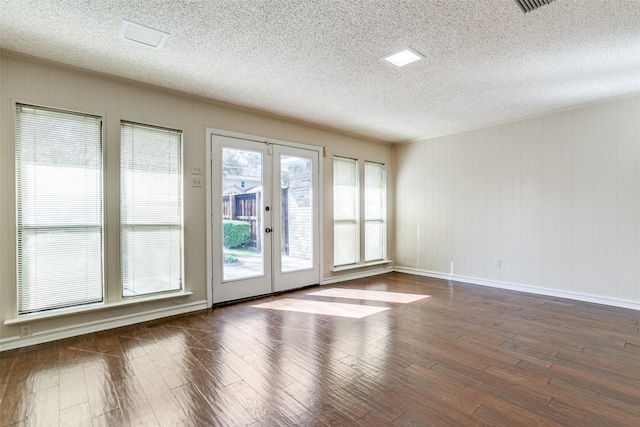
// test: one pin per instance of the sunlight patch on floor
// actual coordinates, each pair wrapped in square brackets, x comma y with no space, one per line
[321,307]
[394,297]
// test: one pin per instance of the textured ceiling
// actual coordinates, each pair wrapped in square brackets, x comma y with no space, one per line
[319,60]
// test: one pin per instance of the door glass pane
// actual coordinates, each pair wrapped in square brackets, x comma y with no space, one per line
[296,237]
[242,179]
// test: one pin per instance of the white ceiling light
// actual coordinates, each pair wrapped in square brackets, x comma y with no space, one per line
[403,57]
[142,34]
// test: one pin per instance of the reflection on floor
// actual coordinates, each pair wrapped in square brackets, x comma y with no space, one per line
[355,310]
[322,307]
[396,297]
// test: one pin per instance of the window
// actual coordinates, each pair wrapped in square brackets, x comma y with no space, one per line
[346,234]
[348,217]
[375,229]
[59,209]
[150,209]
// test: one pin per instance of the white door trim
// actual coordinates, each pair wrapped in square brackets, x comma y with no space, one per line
[209,132]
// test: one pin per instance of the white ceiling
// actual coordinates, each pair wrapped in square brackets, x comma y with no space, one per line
[318,61]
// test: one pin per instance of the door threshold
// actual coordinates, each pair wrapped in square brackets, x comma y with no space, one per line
[256,297]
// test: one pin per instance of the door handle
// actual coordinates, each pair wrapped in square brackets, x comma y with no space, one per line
[268,230]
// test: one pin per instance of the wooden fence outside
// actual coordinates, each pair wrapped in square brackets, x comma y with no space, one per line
[244,207]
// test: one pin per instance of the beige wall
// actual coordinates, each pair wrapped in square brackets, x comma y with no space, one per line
[555,198]
[40,83]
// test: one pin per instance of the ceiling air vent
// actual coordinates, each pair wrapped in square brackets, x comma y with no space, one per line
[529,5]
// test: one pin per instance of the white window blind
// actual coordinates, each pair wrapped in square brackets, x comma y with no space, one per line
[374,212]
[59,208]
[150,209]
[345,211]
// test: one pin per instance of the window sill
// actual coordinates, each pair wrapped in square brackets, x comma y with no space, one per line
[366,264]
[26,318]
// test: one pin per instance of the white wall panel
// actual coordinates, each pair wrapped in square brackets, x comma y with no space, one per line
[15,79]
[517,204]
[567,206]
[181,111]
[405,206]
[507,229]
[637,216]
[459,205]
[38,87]
[91,94]
[552,202]
[415,208]
[63,87]
[530,201]
[479,203]
[628,200]
[275,129]
[216,115]
[445,204]
[493,206]
[130,102]
[556,198]
[582,200]
[605,155]
[467,268]
[426,206]
[155,107]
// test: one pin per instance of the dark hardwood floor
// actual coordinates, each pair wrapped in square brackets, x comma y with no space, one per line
[465,355]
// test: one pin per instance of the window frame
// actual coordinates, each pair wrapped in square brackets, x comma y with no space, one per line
[379,220]
[78,304]
[179,226]
[361,215]
[355,220]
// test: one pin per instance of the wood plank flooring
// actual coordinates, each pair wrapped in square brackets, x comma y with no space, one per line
[465,355]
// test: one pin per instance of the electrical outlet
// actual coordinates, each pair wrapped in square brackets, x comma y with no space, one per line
[498,263]
[25,331]
[196,181]
[196,170]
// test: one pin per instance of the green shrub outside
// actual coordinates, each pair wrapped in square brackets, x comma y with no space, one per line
[229,258]
[236,234]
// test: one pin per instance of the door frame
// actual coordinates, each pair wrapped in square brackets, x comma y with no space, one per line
[209,133]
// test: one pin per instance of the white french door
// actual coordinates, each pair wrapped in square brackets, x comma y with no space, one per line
[296,240]
[265,217]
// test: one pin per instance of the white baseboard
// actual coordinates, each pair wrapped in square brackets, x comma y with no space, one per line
[100,325]
[358,275]
[633,305]
[425,273]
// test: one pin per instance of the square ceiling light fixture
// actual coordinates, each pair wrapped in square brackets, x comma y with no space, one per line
[142,34]
[403,57]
